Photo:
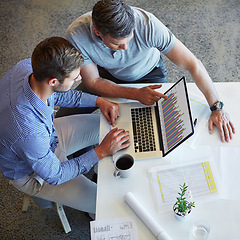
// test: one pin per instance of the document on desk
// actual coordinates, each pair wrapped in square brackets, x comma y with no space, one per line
[200,178]
[200,111]
[199,108]
[228,168]
[200,115]
[114,229]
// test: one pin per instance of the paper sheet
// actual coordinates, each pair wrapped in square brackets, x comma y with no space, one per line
[199,108]
[229,168]
[114,229]
[200,178]
[226,165]
[200,113]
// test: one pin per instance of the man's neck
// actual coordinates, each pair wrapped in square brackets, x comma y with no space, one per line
[41,89]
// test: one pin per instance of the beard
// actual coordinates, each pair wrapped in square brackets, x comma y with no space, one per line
[61,88]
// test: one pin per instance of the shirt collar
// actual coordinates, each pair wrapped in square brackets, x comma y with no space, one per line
[38,104]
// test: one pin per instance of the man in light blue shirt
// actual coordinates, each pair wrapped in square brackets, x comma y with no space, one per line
[123,44]
[129,62]
[33,146]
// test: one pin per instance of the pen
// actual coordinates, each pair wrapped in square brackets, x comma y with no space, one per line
[195,122]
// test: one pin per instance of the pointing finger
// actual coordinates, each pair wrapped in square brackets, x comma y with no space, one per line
[156,86]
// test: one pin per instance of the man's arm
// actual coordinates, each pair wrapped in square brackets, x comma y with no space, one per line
[184,58]
[95,84]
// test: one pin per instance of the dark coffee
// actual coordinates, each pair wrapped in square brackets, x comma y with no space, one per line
[124,163]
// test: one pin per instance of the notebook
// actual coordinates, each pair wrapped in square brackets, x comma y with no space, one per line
[157,130]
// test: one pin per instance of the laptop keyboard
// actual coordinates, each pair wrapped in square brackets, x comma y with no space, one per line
[143,133]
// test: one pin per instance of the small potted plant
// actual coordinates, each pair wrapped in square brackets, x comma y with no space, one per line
[182,208]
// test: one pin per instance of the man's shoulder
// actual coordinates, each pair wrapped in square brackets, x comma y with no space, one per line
[81,35]
[145,18]
[80,24]
[141,15]
[17,123]
[13,83]
[23,65]
[25,62]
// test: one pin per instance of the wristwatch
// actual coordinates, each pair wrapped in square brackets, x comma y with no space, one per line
[217,106]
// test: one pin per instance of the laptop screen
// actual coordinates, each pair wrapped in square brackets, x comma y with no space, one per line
[174,117]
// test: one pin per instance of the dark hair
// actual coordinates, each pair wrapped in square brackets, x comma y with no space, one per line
[113,17]
[55,57]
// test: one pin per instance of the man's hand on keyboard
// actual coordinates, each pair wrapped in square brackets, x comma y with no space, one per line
[114,141]
[109,109]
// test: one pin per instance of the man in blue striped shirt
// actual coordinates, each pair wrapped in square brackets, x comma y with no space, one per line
[33,146]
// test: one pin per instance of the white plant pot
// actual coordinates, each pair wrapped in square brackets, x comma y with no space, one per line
[179,216]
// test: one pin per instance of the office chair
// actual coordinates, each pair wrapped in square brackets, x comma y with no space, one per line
[48,204]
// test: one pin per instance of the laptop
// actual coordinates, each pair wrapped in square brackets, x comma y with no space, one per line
[157,130]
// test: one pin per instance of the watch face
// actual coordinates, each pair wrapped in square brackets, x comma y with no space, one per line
[219,105]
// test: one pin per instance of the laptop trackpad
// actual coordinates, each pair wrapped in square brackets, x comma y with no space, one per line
[123,125]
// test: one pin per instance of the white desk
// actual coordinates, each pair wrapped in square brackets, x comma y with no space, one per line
[223,215]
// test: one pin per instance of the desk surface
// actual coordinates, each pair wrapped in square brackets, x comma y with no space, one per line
[223,215]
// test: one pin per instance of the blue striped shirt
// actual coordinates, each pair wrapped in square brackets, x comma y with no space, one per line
[27,134]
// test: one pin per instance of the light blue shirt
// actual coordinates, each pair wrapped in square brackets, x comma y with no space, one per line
[150,39]
[27,134]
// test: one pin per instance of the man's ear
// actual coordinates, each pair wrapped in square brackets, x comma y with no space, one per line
[96,32]
[52,82]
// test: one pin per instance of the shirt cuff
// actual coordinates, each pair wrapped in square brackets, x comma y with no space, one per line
[89,99]
[88,160]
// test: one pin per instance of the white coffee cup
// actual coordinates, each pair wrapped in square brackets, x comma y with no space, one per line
[123,165]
